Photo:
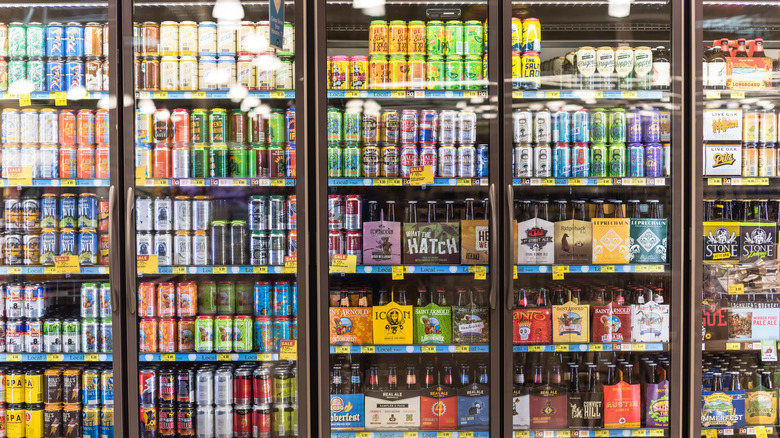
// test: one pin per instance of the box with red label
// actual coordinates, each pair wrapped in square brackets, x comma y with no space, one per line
[438,408]
[351,325]
[532,326]
[748,73]
[611,323]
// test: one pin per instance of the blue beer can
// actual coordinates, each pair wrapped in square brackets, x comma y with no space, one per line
[262,293]
[55,40]
[68,210]
[654,160]
[429,121]
[482,161]
[581,127]
[636,160]
[74,39]
[87,210]
[282,331]
[294,294]
[264,335]
[634,126]
[49,211]
[68,242]
[49,246]
[289,125]
[561,127]
[282,300]
[580,160]
[88,245]
[651,126]
[561,160]
[74,73]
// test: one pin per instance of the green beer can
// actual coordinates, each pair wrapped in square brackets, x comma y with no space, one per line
[199,121]
[252,168]
[454,32]
[472,38]
[598,160]
[276,127]
[352,160]
[335,161]
[36,73]
[617,125]
[335,125]
[472,72]
[244,296]
[52,335]
[598,126]
[436,38]
[218,160]
[282,417]
[617,159]
[36,39]
[204,334]
[207,298]
[283,385]
[217,125]
[17,70]
[200,161]
[434,73]
[453,71]
[237,165]
[242,334]
[226,298]
[223,334]
[17,39]
[352,125]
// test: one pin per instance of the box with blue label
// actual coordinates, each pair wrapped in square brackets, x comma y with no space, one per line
[473,407]
[347,412]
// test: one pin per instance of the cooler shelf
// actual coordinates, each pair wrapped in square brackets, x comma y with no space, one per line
[405,94]
[192,95]
[739,181]
[54,95]
[36,182]
[770,430]
[216,182]
[380,349]
[732,345]
[592,269]
[206,357]
[367,182]
[220,270]
[590,433]
[455,434]
[49,270]
[414,269]
[56,357]
[562,348]
[590,94]
[635,182]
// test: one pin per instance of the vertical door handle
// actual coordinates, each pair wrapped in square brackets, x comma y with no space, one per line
[111,213]
[493,236]
[510,199]
[130,249]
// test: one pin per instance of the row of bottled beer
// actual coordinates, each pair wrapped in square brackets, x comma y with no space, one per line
[745,210]
[584,210]
[716,75]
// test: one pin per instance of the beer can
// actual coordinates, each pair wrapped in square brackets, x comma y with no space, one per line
[651,127]
[263,334]
[335,212]
[378,38]
[617,125]
[447,127]
[201,212]
[416,72]
[390,161]
[52,337]
[370,162]
[33,387]
[750,125]
[617,160]
[523,161]
[453,72]
[408,159]
[89,335]
[561,160]
[74,40]
[532,35]
[204,418]
[636,160]
[397,72]
[378,76]
[530,68]
[598,126]
[11,125]
[106,428]
[581,126]
[580,160]
[74,73]
[90,387]
[561,132]
[12,214]
[359,72]
[448,161]
[336,243]
[467,161]
[467,127]
[482,168]
[389,126]
[654,160]
[522,131]
[71,337]
[634,127]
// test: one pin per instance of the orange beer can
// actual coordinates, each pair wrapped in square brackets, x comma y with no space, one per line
[166,300]
[186,299]
[377,72]
[147,335]
[146,300]
[415,72]
[416,38]
[67,126]
[102,163]
[397,41]
[167,340]
[68,161]
[378,38]
[397,72]
[186,335]
[85,166]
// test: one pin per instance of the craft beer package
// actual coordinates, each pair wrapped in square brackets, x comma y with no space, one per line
[722,125]
[650,322]
[754,324]
[535,242]
[611,238]
[723,159]
[532,326]
[347,411]
[381,242]
[573,242]
[715,321]
[571,323]
[433,324]
[393,324]
[657,404]
[432,243]
[760,406]
[721,241]
[723,409]
[611,323]
[438,408]
[584,410]
[748,73]
[521,413]
[758,241]
[473,407]
[392,410]
[622,406]
[548,407]
[350,325]
[648,241]
[475,238]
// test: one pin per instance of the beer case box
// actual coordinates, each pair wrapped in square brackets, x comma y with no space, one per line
[721,241]
[657,404]
[532,326]
[650,322]
[521,413]
[438,408]
[548,407]
[392,410]
[754,324]
[351,326]
[760,406]
[723,409]
[611,241]
[393,324]
[715,321]
[758,241]
[473,407]
[623,402]
[571,323]
[347,411]
[433,324]
[585,410]
[535,242]
[431,244]
[381,243]
[470,325]
[573,242]
[748,73]
[722,125]
[475,241]
[723,160]
[648,240]
[611,323]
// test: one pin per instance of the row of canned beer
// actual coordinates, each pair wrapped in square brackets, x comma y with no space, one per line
[55,74]
[591,126]
[29,210]
[184,401]
[32,300]
[189,299]
[56,420]
[50,161]
[435,37]
[54,39]
[188,73]
[55,126]
[207,38]
[40,247]
[93,386]
[57,335]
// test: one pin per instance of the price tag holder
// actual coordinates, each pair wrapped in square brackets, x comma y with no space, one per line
[223,357]
[596,347]
[410,434]
[280,94]
[608,268]
[160,95]
[60,98]
[288,350]
[220,269]
[420,175]
[429,349]
[629,95]
[535,348]
[68,264]
[342,350]
[461,348]
[640,432]
[737,94]
[178,270]
[260,270]
[14,270]
[198,94]
[552,94]
[344,263]
[13,357]
[24,100]
[147,264]
[601,433]
[712,95]
[760,432]
[733,346]
[368,349]
[514,272]
[736,289]
[168,357]
[398,272]
[91,357]
[558,272]
[291,262]
[480,273]
[19,176]
[53,358]
[398,94]
[562,347]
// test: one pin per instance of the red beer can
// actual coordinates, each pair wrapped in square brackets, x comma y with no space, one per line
[85,156]
[261,419]
[102,126]
[335,243]
[242,421]
[409,126]
[103,249]
[353,212]
[180,123]
[85,127]
[262,385]
[102,163]
[162,161]
[354,245]
[68,161]
[242,387]
[67,126]
[102,215]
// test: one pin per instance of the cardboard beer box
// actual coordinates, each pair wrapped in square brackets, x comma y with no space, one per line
[666,126]
[535,242]
[715,321]
[438,408]
[475,241]
[611,237]
[754,324]
[350,326]
[585,410]
[723,409]
[650,322]
[521,410]
[532,326]
[722,159]
[573,242]
[758,241]
[722,125]
[548,407]
[392,410]
[721,241]
[748,73]
[622,404]
[657,404]
[432,244]
[571,323]
[473,407]
[611,323]
[648,241]
[433,324]
[347,411]
[393,324]
[381,243]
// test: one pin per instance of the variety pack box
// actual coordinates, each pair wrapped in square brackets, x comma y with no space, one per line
[573,242]
[475,240]
[650,322]
[548,406]
[382,243]
[611,323]
[351,325]
[532,326]
[347,411]
[722,125]
[611,237]
[431,244]
[393,324]
[757,241]
[754,324]
[438,408]
[521,413]
[571,323]
[648,241]
[392,410]
[722,160]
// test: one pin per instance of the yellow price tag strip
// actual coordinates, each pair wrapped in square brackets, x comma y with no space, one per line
[596,347]
[24,100]
[461,348]
[464,181]
[760,432]
[711,433]
[288,350]
[15,357]
[368,349]
[168,357]
[736,289]
[656,432]
[480,272]
[260,270]
[398,272]
[558,275]
[53,358]
[608,268]
[342,350]
[552,94]
[344,263]
[223,357]
[351,94]
[640,432]
[602,433]
[70,182]
[737,94]
[562,347]
[160,95]
[733,346]
[280,94]
[220,269]
[642,268]
[514,272]
[15,270]
[714,181]
[198,94]
[397,94]
[420,175]
[91,357]
[535,348]
[60,98]
[548,182]
[67,264]
[179,270]
[410,434]
[429,349]
[629,95]
[712,95]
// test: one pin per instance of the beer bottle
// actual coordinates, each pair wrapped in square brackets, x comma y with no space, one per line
[336,381]
[579,213]
[758,48]
[392,377]
[482,378]
[618,298]
[628,373]
[542,210]
[428,376]
[465,375]
[724,47]
[538,374]
[373,211]
[716,68]
[441,297]
[363,297]
[557,297]
[411,377]
[655,209]
[717,382]
[599,208]
[735,384]
[382,297]
[422,297]
[541,298]
[485,210]
[612,378]
[469,215]
[522,299]
[431,212]
[661,69]
[402,297]
[411,212]
[519,375]
[561,205]
[634,209]
[344,297]
[618,208]
[741,49]
[600,296]
[355,382]
[373,377]
[448,380]
[652,373]
[575,295]
[593,377]
[704,75]
[449,211]
[762,210]
[390,211]
[574,379]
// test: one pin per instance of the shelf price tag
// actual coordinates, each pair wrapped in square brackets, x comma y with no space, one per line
[53,358]
[350,94]
[552,94]
[596,347]
[712,95]
[514,272]
[13,357]
[600,433]
[24,100]
[480,272]
[168,357]
[280,94]
[19,176]
[656,432]
[60,98]
[608,268]
[461,348]
[535,348]
[558,272]
[160,95]
[260,270]
[223,357]
[368,349]
[760,431]
[398,272]
[736,289]
[429,349]
[91,357]
[68,264]
[522,434]
[733,346]
[14,270]
[178,270]
[147,264]
[737,94]
[410,434]
[198,94]
[467,435]
[629,95]
[291,262]
[288,350]
[342,350]
[420,175]
[344,263]
[640,432]
[398,94]
[711,433]
[220,269]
